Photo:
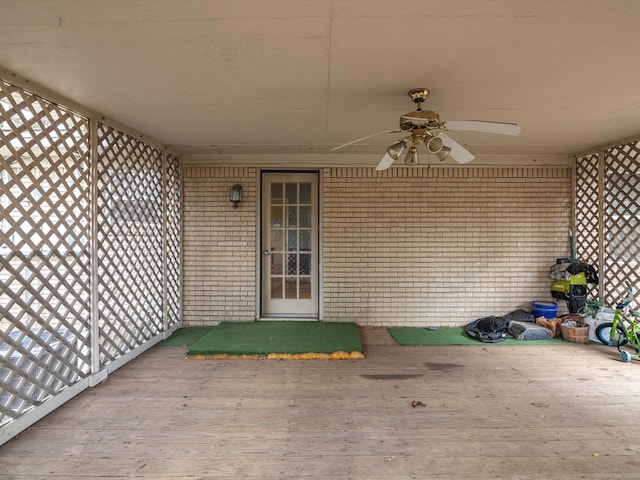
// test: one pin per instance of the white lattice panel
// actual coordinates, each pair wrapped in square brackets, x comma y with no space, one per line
[130,272]
[622,218]
[44,250]
[173,239]
[587,244]
[608,217]
[51,284]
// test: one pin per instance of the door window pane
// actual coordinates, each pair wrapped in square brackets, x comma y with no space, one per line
[290,288]
[291,193]
[276,193]
[305,264]
[292,216]
[305,240]
[305,288]
[276,263]
[305,193]
[276,287]
[305,217]
[292,264]
[276,240]
[276,217]
[291,240]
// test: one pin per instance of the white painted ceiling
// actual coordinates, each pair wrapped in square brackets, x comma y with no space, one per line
[302,76]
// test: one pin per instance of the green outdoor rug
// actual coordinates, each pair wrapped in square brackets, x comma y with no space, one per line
[280,340]
[411,336]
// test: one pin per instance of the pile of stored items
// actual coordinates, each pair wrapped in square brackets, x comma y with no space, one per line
[523,325]
[496,329]
[570,280]
[571,326]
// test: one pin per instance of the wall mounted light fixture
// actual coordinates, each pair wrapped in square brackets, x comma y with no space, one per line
[235,194]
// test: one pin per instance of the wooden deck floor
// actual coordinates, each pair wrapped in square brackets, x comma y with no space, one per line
[522,412]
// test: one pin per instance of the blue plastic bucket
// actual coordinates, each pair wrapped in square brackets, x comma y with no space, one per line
[544,309]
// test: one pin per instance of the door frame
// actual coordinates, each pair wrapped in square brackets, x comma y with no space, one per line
[259,232]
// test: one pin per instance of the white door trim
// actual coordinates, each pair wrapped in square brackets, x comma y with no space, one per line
[289,248]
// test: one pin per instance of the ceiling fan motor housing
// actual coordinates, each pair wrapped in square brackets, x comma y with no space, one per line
[420,119]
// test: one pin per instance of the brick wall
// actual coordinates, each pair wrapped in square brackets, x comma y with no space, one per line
[422,246]
[219,246]
[407,246]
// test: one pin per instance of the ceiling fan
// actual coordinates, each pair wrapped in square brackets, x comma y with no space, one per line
[425,128]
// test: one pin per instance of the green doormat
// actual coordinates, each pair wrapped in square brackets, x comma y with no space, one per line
[411,336]
[279,340]
[185,336]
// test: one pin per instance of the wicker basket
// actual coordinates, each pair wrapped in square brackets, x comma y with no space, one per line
[575,334]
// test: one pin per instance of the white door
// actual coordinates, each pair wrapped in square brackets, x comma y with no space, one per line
[290,245]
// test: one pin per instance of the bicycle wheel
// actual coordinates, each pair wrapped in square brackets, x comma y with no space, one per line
[603,333]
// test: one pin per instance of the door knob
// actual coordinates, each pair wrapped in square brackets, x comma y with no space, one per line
[265,252]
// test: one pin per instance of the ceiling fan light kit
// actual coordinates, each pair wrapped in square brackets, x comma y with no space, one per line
[396,149]
[443,153]
[435,145]
[412,156]
[425,128]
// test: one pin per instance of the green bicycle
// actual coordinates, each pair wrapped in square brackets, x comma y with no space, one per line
[624,330]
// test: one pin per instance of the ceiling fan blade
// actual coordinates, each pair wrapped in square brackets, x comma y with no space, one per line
[363,138]
[385,163]
[482,126]
[458,152]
